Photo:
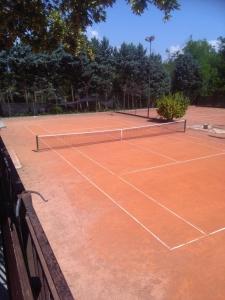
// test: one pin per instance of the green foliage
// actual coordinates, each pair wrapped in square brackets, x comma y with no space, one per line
[110,72]
[209,79]
[159,78]
[121,74]
[221,66]
[56,110]
[187,76]
[132,73]
[102,67]
[208,60]
[172,106]
[138,7]
[46,24]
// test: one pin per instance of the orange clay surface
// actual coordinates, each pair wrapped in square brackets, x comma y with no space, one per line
[135,219]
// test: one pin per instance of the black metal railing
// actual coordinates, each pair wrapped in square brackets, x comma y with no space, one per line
[31,267]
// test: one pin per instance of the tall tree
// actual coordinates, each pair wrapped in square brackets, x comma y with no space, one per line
[160,80]
[187,76]
[221,65]
[132,73]
[46,23]
[207,58]
[104,69]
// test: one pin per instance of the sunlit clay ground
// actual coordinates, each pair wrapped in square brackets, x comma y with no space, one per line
[141,218]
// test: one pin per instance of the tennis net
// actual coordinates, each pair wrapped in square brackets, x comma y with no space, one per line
[138,112]
[63,140]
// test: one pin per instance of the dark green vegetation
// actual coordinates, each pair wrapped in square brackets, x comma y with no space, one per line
[110,75]
[200,69]
[172,106]
[47,62]
[46,24]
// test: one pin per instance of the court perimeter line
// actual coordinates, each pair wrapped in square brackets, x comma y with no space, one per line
[202,139]
[216,231]
[199,143]
[187,243]
[83,154]
[107,195]
[197,239]
[137,189]
[129,214]
[179,162]
[163,206]
[151,151]
[110,198]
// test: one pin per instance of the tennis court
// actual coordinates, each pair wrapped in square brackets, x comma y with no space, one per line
[134,215]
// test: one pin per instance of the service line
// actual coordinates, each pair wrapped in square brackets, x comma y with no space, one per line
[204,234]
[180,162]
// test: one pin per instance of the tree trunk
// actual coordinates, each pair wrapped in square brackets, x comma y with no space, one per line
[72,92]
[124,99]
[26,96]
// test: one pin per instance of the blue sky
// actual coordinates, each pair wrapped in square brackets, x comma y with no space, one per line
[203,19]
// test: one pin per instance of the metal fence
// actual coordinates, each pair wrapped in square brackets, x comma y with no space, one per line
[88,104]
[31,267]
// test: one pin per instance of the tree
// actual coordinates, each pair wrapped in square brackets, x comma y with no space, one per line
[186,76]
[3,69]
[221,65]
[160,80]
[172,106]
[122,73]
[104,69]
[132,74]
[207,58]
[46,24]
[130,62]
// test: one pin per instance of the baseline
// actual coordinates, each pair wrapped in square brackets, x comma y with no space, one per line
[143,193]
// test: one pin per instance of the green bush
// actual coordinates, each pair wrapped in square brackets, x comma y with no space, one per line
[172,106]
[56,110]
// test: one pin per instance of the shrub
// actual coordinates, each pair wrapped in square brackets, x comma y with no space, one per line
[56,110]
[172,106]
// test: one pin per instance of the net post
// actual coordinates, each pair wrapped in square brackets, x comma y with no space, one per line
[185,125]
[37,144]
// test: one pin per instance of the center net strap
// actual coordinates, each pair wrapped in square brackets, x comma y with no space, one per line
[62,140]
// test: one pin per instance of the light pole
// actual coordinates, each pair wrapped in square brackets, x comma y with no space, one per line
[149,39]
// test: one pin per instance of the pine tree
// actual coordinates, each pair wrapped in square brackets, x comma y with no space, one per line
[187,76]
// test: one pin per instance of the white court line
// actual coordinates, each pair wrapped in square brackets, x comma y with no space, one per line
[174,163]
[107,131]
[163,206]
[173,137]
[187,243]
[197,239]
[30,130]
[203,141]
[151,151]
[198,143]
[150,168]
[108,196]
[216,231]
[140,191]
[15,158]
[85,155]
[129,214]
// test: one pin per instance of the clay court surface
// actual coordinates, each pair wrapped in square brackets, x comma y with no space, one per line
[141,218]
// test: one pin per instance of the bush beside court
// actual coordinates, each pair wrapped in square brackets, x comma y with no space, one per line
[172,106]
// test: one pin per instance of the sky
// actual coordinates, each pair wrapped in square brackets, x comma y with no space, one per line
[201,19]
